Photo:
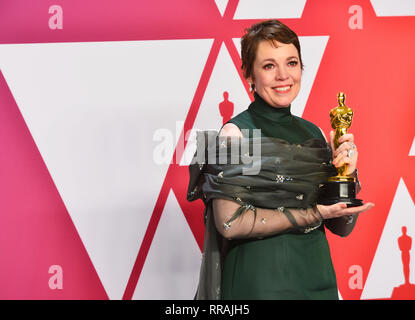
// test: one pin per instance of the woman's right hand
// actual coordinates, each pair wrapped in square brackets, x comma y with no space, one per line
[340,209]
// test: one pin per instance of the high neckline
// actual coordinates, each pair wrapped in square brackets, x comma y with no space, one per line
[261,108]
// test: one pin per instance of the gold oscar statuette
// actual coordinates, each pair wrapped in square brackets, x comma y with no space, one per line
[342,187]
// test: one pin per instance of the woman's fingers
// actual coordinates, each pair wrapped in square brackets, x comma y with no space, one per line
[331,211]
[349,137]
[340,209]
[332,141]
[345,146]
[344,158]
[359,209]
[346,142]
[346,153]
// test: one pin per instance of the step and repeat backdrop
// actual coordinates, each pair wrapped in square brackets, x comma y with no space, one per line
[99,105]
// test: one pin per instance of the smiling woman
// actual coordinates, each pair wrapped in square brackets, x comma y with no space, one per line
[268,227]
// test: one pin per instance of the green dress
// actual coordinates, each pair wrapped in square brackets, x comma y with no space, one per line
[289,265]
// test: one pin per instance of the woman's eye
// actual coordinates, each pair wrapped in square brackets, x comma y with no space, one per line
[268,66]
[293,63]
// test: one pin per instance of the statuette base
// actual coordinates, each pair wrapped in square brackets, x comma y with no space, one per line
[333,192]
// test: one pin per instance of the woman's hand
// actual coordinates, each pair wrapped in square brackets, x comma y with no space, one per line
[340,209]
[346,153]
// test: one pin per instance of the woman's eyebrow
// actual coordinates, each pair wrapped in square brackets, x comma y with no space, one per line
[269,59]
[273,60]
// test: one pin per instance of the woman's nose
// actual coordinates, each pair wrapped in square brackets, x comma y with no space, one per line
[281,74]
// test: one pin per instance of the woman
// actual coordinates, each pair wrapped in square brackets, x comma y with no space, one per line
[272,246]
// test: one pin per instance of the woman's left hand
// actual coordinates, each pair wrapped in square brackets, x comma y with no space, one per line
[346,153]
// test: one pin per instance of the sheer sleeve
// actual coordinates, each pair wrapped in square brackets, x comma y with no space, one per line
[257,222]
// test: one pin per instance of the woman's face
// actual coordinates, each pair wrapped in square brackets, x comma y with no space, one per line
[276,73]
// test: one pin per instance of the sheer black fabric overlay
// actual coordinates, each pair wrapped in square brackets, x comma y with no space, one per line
[274,170]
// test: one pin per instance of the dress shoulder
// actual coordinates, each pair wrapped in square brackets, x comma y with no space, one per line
[243,120]
[311,128]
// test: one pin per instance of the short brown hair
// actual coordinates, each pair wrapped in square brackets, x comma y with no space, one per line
[270,30]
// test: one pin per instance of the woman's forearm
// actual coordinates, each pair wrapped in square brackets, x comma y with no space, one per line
[261,222]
